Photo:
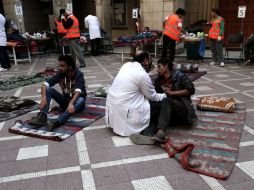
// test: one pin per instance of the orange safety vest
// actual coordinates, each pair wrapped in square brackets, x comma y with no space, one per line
[73,31]
[214,31]
[171,27]
[60,28]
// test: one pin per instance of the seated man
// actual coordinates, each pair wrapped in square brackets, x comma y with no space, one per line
[72,99]
[127,105]
[177,108]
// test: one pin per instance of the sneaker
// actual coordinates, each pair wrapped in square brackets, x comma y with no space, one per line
[39,120]
[82,65]
[212,63]
[52,124]
[246,62]
[222,64]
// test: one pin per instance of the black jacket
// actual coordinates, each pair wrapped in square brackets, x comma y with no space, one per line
[180,81]
[69,85]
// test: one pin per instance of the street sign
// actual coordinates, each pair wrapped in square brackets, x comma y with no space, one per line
[241,11]
[18,9]
[135,13]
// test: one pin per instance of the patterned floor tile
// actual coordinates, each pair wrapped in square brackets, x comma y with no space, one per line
[32,152]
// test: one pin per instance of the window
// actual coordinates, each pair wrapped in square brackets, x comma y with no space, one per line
[120,13]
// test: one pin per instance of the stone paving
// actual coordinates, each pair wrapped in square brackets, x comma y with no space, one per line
[96,158]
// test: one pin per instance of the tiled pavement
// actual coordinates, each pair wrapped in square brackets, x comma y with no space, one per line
[96,158]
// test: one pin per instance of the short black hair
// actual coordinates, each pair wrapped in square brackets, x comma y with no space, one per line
[180,11]
[140,56]
[62,11]
[147,28]
[68,60]
[166,61]
[215,10]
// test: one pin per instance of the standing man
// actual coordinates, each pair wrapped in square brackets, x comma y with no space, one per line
[4,57]
[70,22]
[127,104]
[216,35]
[61,31]
[73,97]
[173,28]
[92,23]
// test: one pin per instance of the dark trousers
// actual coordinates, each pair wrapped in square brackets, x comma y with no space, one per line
[171,44]
[166,113]
[4,58]
[249,48]
[95,46]
[217,51]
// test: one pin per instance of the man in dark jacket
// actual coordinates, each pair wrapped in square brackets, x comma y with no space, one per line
[72,99]
[177,108]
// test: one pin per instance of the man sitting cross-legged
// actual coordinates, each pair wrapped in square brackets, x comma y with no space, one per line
[73,97]
[177,108]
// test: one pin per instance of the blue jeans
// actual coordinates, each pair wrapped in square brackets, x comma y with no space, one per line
[63,101]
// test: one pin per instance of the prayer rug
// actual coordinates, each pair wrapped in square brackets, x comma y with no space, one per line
[95,109]
[9,115]
[16,82]
[210,147]
[11,106]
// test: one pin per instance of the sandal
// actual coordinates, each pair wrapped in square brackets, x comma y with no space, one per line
[141,139]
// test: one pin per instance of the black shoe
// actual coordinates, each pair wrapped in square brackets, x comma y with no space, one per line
[159,138]
[82,66]
[39,120]
[52,124]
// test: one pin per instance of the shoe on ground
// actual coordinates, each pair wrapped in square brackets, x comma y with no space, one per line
[159,138]
[222,64]
[53,124]
[82,66]
[212,63]
[141,139]
[246,62]
[39,120]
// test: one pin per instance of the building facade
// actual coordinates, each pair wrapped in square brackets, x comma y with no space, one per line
[116,16]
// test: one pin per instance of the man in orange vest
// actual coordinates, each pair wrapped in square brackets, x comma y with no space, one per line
[61,31]
[216,35]
[173,28]
[70,22]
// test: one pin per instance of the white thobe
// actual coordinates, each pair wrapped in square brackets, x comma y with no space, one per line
[2,31]
[92,23]
[127,104]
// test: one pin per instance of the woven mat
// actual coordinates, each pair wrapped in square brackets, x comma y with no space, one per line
[211,146]
[95,109]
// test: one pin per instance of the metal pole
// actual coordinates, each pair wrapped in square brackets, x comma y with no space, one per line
[242,27]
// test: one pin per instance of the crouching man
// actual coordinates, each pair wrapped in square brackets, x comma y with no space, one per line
[71,100]
[127,104]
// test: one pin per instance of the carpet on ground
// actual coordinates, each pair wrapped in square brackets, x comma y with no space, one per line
[95,109]
[209,147]
[11,106]
[16,82]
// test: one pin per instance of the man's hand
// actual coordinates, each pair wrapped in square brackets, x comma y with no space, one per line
[169,92]
[219,38]
[43,103]
[71,108]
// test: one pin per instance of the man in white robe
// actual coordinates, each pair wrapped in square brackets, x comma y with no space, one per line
[93,24]
[127,104]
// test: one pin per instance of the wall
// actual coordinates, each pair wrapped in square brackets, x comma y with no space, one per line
[9,10]
[199,10]
[34,18]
